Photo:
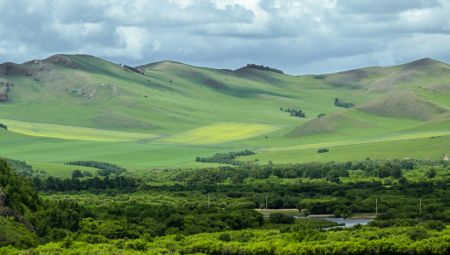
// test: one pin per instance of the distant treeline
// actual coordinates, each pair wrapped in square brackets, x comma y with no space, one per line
[105,169]
[340,103]
[315,170]
[92,183]
[294,112]
[225,158]
[20,167]
[264,68]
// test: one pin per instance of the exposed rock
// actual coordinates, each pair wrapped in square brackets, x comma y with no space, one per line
[83,92]
[2,198]
[62,60]
[13,69]
[5,87]
[7,212]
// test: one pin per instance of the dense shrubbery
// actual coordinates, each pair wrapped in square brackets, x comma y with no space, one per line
[299,240]
[225,158]
[3,126]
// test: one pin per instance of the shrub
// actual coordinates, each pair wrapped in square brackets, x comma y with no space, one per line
[323,150]
[225,237]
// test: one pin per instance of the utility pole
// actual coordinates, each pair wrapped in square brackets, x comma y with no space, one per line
[376,206]
[420,207]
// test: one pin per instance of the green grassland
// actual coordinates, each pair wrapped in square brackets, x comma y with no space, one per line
[79,107]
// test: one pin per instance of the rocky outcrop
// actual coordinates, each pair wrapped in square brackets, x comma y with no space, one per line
[4,89]
[62,60]
[7,212]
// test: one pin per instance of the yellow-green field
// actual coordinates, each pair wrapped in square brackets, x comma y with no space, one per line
[72,132]
[221,133]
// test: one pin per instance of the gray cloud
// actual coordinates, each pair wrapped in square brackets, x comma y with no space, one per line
[299,36]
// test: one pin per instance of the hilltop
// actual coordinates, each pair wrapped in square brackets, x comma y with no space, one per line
[164,114]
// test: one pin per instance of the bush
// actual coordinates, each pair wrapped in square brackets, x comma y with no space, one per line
[339,103]
[323,150]
[225,237]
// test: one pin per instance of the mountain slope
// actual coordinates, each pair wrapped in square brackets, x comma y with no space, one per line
[64,103]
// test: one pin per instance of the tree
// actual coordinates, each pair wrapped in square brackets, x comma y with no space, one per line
[77,174]
[280,218]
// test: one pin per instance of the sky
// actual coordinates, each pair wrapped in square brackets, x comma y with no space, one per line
[299,37]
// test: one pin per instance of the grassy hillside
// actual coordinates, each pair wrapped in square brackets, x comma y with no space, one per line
[79,107]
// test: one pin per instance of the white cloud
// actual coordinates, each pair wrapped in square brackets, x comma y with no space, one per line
[72,31]
[295,35]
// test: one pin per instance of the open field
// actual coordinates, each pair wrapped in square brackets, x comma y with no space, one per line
[221,133]
[72,132]
[419,148]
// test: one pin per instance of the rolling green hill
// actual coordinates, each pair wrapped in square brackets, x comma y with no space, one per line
[164,114]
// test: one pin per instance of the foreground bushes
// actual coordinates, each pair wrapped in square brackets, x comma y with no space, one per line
[360,240]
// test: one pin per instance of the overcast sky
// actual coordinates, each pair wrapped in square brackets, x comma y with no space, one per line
[303,36]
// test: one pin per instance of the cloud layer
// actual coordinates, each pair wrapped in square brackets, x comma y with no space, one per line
[299,36]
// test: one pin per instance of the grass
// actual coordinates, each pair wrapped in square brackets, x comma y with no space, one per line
[176,112]
[419,148]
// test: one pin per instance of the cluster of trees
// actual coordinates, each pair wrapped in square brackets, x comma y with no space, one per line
[294,112]
[18,192]
[222,200]
[3,126]
[105,169]
[340,103]
[225,158]
[91,183]
[20,167]
[264,68]
[314,170]
[126,67]
[79,174]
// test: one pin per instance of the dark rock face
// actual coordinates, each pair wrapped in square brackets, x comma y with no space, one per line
[4,89]
[7,212]
[61,60]
[2,199]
